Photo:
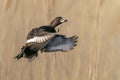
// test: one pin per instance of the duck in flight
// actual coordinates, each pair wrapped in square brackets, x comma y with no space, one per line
[46,39]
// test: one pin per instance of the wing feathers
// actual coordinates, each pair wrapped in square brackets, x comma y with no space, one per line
[40,39]
[61,43]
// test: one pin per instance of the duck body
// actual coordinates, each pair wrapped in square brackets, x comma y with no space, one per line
[37,39]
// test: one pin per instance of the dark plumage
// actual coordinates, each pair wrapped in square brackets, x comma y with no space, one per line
[45,38]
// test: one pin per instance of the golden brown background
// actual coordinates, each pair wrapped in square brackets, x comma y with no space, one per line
[96,22]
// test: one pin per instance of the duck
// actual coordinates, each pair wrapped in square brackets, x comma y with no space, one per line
[46,39]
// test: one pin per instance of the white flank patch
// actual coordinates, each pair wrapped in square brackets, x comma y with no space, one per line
[40,39]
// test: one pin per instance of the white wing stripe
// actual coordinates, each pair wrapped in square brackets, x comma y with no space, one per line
[43,38]
[39,39]
[31,40]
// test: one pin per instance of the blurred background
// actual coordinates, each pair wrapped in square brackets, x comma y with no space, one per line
[96,22]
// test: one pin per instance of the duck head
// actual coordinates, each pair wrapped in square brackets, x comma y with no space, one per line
[57,21]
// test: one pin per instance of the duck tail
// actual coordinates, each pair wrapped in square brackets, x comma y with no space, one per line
[20,55]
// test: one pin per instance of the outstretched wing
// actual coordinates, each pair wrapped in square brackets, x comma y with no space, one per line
[61,43]
[40,35]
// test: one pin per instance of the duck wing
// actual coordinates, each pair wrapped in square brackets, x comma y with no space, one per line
[61,43]
[37,39]
[39,35]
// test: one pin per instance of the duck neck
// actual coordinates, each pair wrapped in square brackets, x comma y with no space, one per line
[54,24]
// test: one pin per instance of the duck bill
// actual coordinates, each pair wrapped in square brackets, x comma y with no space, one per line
[63,20]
